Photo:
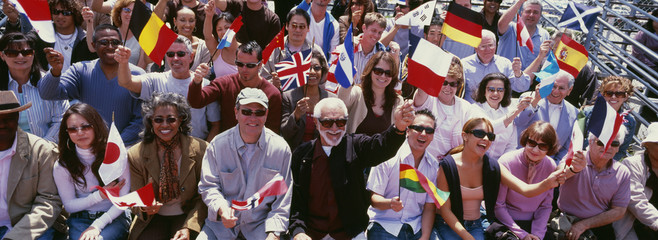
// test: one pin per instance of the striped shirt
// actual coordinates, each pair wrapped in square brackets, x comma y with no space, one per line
[361,59]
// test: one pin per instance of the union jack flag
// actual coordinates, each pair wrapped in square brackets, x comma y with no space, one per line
[292,70]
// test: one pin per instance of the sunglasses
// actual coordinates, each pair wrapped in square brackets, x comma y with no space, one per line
[378,71]
[63,12]
[249,65]
[249,112]
[493,90]
[84,128]
[14,53]
[107,42]
[127,10]
[452,84]
[298,26]
[612,144]
[179,54]
[327,123]
[532,143]
[316,68]
[479,133]
[160,120]
[618,94]
[420,129]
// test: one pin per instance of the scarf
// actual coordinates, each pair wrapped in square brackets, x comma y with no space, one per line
[168,188]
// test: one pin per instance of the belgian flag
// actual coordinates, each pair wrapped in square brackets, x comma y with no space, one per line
[152,34]
[463,25]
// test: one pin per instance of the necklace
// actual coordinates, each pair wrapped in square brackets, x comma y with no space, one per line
[65,41]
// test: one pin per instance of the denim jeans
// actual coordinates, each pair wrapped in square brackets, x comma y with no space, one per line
[475,228]
[377,232]
[117,229]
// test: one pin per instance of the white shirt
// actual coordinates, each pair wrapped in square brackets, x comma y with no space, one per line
[316,30]
[5,162]
[64,45]
[506,137]
[554,111]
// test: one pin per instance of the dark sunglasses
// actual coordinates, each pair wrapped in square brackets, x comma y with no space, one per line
[63,12]
[479,133]
[179,54]
[532,143]
[618,94]
[316,68]
[612,144]
[14,53]
[160,120]
[420,129]
[127,10]
[107,42]
[378,71]
[249,112]
[493,90]
[496,1]
[327,123]
[249,65]
[452,84]
[84,128]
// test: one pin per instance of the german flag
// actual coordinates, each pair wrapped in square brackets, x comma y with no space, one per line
[571,56]
[463,25]
[415,181]
[152,34]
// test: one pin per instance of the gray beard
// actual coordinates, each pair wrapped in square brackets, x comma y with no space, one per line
[323,134]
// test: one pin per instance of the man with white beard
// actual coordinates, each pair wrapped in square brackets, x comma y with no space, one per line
[329,194]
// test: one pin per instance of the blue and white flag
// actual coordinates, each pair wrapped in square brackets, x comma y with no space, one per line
[578,16]
[345,71]
[546,76]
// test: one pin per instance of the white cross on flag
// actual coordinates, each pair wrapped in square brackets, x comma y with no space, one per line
[578,16]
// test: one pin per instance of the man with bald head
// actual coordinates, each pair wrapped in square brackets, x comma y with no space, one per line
[485,61]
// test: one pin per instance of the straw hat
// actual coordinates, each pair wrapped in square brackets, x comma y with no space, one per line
[652,133]
[9,103]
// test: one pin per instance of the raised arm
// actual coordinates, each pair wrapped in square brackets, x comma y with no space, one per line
[102,7]
[508,16]
[531,190]
[221,4]
[124,76]
[537,63]
[211,42]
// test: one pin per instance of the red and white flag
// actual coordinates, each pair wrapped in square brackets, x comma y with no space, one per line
[227,39]
[292,70]
[38,12]
[274,187]
[576,143]
[522,35]
[425,72]
[143,197]
[116,158]
[604,122]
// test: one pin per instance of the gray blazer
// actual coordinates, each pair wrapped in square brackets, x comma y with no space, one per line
[291,130]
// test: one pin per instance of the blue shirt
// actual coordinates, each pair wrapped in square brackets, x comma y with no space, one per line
[458,49]
[475,70]
[509,48]
[86,82]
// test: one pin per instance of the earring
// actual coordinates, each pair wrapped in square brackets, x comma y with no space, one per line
[68,145]
[175,28]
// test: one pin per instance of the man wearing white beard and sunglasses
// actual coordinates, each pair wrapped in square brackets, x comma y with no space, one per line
[328,195]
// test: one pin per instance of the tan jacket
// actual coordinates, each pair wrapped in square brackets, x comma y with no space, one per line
[356,106]
[32,199]
[145,164]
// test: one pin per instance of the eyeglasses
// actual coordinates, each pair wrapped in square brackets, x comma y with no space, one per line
[84,128]
[618,94]
[249,65]
[127,10]
[298,26]
[327,123]
[378,71]
[179,54]
[420,129]
[107,42]
[494,90]
[452,84]
[14,53]
[479,133]
[612,144]
[488,46]
[63,12]
[532,143]
[160,120]
[249,112]
[316,68]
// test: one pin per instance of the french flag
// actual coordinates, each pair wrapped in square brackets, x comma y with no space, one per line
[38,12]
[522,35]
[546,76]
[230,33]
[143,197]
[604,122]
[276,186]
[428,67]
[116,158]
[344,71]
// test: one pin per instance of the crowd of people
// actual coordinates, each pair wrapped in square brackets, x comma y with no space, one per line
[208,127]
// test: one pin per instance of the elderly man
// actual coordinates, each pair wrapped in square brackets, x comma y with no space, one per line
[323,26]
[399,212]
[239,162]
[508,47]
[329,196]
[597,190]
[641,219]
[95,83]
[224,90]
[178,57]
[554,110]
[29,204]
[485,61]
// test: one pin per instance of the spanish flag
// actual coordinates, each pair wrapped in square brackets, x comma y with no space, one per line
[571,56]
[463,25]
[152,34]
[415,181]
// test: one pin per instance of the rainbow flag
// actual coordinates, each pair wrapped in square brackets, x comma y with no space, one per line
[415,181]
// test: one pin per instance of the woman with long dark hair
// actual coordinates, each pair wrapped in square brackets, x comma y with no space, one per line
[214,28]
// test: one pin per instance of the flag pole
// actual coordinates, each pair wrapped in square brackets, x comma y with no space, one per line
[212,56]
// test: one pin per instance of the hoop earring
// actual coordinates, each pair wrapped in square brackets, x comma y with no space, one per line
[175,28]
